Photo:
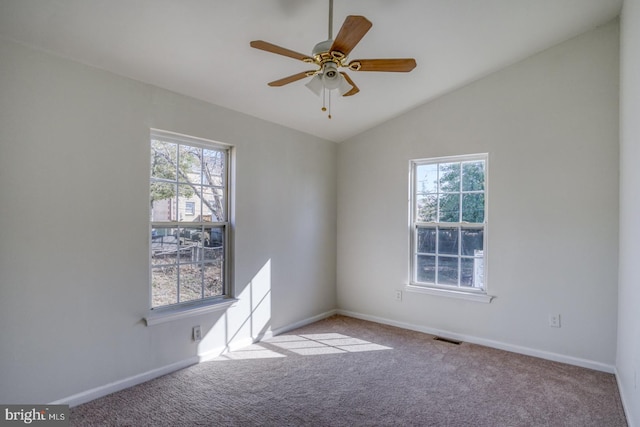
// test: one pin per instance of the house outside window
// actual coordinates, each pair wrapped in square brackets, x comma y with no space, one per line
[189,220]
[449,223]
[190,208]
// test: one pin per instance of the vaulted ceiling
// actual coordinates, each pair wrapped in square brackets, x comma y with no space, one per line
[201,48]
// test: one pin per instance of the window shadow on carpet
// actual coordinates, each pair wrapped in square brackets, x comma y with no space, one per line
[304,345]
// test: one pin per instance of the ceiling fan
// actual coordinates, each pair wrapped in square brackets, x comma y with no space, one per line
[330,55]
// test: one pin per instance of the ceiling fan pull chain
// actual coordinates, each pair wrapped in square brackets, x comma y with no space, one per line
[329,103]
[324,104]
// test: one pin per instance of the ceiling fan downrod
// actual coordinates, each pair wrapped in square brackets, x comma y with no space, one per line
[330,20]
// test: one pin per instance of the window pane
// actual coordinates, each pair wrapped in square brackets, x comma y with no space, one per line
[214,258]
[190,244]
[478,273]
[190,282]
[163,160]
[472,273]
[450,207]
[466,275]
[186,194]
[188,235]
[473,207]
[214,167]
[164,246]
[212,204]
[163,202]
[447,270]
[190,168]
[426,269]
[213,279]
[213,253]
[216,238]
[427,208]
[473,176]
[449,177]
[426,240]
[204,237]
[426,178]
[164,285]
[472,241]
[448,241]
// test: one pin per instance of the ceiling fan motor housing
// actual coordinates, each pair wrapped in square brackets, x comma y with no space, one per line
[322,47]
[330,75]
[330,70]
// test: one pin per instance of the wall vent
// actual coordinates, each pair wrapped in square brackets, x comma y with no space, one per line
[449,340]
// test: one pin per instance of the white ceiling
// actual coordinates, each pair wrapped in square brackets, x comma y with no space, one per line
[201,47]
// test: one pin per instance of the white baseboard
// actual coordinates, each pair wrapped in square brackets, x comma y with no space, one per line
[212,354]
[235,345]
[94,393]
[625,402]
[585,363]
[86,396]
[305,322]
[101,391]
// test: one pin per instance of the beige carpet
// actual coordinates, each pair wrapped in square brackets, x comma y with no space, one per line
[347,372]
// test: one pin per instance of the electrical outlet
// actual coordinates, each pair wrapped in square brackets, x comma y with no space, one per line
[197,333]
[398,295]
[554,320]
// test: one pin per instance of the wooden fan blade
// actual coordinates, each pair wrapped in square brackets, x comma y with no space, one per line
[401,65]
[291,79]
[269,47]
[355,89]
[351,32]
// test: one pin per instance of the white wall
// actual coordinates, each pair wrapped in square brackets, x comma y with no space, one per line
[74,156]
[550,126]
[628,357]
[73,216]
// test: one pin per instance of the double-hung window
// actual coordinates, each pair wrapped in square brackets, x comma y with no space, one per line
[448,223]
[189,237]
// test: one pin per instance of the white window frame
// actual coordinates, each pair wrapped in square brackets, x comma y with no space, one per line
[205,304]
[456,291]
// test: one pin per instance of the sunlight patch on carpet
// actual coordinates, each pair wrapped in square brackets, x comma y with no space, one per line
[254,351]
[304,345]
[330,343]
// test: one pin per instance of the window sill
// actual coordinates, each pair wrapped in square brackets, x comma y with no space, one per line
[469,296]
[169,314]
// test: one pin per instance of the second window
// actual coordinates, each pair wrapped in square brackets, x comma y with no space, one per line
[448,222]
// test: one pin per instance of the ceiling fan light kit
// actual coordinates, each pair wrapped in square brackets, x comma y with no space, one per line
[330,55]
